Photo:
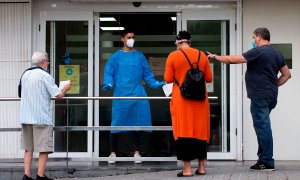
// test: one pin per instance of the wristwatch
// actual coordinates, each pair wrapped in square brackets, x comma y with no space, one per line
[214,56]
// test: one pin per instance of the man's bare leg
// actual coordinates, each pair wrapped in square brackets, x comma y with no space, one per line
[27,162]
[43,157]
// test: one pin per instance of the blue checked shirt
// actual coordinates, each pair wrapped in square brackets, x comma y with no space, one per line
[37,89]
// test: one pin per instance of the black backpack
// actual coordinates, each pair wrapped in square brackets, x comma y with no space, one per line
[20,82]
[194,85]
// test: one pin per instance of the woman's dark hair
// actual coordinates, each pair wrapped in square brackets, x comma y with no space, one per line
[264,33]
[183,35]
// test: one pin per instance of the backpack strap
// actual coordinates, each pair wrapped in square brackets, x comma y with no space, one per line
[31,68]
[177,82]
[187,58]
[20,82]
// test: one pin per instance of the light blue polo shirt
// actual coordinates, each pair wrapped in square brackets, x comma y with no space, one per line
[37,89]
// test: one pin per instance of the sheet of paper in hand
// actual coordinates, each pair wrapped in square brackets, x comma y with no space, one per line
[168,89]
[63,83]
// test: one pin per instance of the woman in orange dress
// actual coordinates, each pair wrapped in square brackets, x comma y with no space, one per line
[190,118]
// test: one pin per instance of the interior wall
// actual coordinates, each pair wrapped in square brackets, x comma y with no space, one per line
[282,19]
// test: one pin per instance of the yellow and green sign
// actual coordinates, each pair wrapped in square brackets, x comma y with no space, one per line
[70,72]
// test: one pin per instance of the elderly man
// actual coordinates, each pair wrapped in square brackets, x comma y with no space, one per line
[35,113]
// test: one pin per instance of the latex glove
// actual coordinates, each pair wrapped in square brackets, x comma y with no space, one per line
[106,87]
[160,84]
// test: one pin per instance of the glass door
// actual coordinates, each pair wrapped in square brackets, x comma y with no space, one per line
[67,37]
[213,31]
[155,35]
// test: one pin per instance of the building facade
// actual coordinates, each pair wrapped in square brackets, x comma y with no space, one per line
[80,36]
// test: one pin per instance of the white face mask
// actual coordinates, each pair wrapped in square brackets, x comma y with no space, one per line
[130,43]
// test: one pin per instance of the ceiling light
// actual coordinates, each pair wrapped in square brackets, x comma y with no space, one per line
[107,19]
[112,28]
[173,18]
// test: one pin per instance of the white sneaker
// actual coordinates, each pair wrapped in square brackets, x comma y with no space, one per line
[137,156]
[112,155]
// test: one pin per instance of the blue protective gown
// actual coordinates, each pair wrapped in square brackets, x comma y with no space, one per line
[125,71]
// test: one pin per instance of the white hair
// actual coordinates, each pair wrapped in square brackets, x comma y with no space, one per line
[38,56]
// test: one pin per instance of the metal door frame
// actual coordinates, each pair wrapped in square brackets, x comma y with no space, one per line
[235,70]
[72,16]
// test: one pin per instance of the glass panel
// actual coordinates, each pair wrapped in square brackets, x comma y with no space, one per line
[67,45]
[286,50]
[155,36]
[213,36]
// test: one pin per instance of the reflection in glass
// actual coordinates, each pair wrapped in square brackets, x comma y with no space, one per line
[286,51]
[213,36]
[155,37]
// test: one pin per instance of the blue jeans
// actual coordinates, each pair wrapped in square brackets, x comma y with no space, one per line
[260,111]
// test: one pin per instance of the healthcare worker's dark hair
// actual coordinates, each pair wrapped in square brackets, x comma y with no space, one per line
[126,31]
[263,33]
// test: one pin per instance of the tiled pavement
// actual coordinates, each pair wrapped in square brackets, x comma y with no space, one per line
[219,170]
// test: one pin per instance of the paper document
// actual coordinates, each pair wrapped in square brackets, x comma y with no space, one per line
[168,89]
[63,83]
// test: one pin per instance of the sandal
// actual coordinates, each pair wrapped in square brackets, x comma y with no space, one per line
[180,174]
[200,173]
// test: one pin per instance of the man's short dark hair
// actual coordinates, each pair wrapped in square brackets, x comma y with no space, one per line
[264,33]
[126,31]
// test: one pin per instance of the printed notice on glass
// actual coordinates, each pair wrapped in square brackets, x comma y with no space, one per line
[70,72]
[157,65]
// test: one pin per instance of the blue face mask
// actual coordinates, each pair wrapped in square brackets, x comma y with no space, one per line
[253,43]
